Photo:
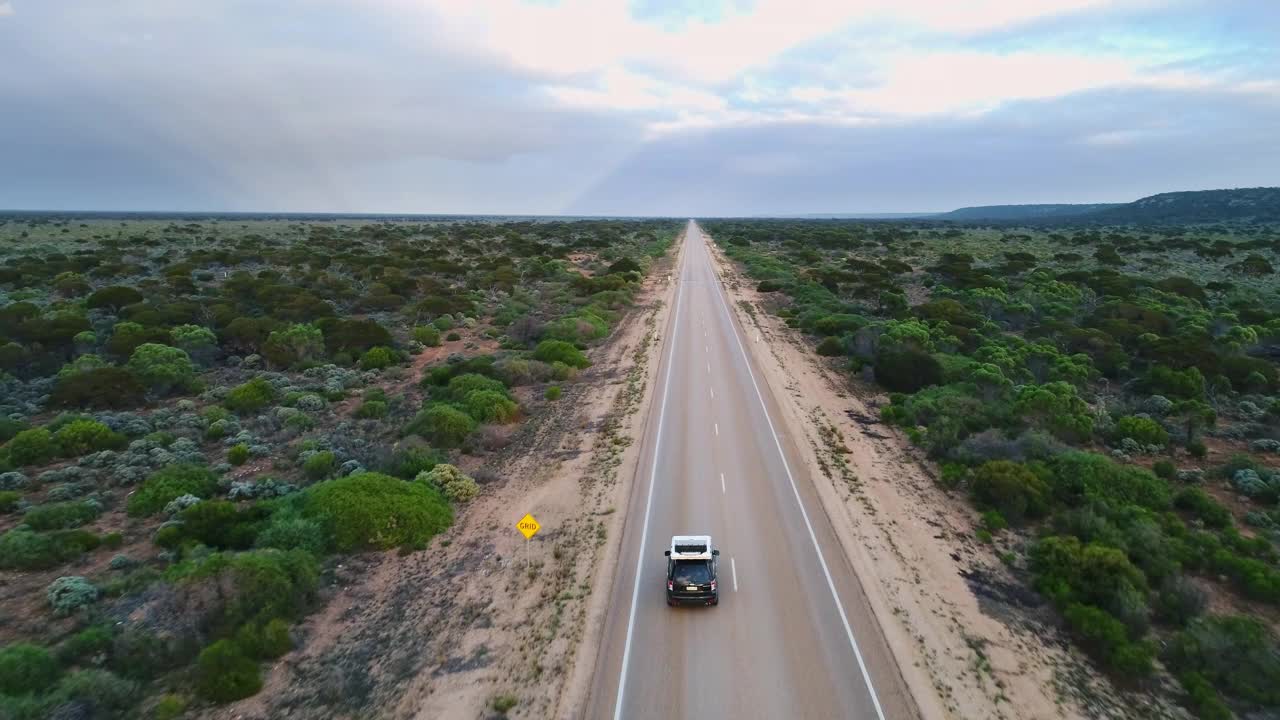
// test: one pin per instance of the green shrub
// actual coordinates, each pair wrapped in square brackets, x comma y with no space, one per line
[10,427]
[21,549]
[372,409]
[105,693]
[113,298]
[224,673]
[1164,469]
[552,393]
[1143,430]
[427,335]
[1179,600]
[170,707]
[1203,507]
[1070,572]
[32,447]
[9,500]
[265,641]
[1106,638]
[1197,449]
[162,368]
[453,337]
[26,668]
[108,388]
[1237,655]
[444,425]
[168,483]
[80,437]
[294,344]
[830,346]
[503,703]
[254,586]
[320,465]
[1081,476]
[407,463]
[93,640]
[442,323]
[61,515]
[491,406]
[238,454]
[1203,699]
[220,524]
[907,370]
[1012,489]
[250,397]
[456,486]
[289,530]
[377,358]
[371,510]
[552,351]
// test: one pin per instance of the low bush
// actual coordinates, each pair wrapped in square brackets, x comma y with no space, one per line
[1012,489]
[168,483]
[407,463]
[1144,431]
[220,524]
[162,368]
[552,393]
[288,529]
[455,485]
[250,397]
[907,370]
[32,447]
[320,465]
[224,673]
[1238,655]
[830,346]
[491,406]
[238,454]
[1203,507]
[372,409]
[83,436]
[551,351]
[70,593]
[1164,469]
[377,358]
[1106,638]
[102,693]
[9,500]
[444,425]
[26,668]
[22,549]
[427,335]
[371,510]
[61,515]
[265,641]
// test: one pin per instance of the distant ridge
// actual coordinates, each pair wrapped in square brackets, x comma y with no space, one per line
[1260,204]
[1021,212]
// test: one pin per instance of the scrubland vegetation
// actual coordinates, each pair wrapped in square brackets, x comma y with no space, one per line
[198,418]
[1107,397]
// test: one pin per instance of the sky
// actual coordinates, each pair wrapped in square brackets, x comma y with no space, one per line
[631,107]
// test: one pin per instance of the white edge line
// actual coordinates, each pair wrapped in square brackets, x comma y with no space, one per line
[722,484]
[648,505]
[866,677]
[733,565]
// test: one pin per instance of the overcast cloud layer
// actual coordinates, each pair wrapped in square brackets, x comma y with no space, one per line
[645,107]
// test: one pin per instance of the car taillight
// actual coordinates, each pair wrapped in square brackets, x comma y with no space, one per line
[713,586]
[670,585]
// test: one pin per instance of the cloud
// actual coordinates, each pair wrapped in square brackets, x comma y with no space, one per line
[6,8]
[609,106]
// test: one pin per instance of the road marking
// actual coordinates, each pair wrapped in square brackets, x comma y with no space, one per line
[831,585]
[648,506]
[733,565]
[713,392]
[717,429]
[708,367]
[706,349]
[722,484]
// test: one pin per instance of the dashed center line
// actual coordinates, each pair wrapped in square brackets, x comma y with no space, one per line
[708,367]
[722,485]
[733,565]
[717,426]
[713,392]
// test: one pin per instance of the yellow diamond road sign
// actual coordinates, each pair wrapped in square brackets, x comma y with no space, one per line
[528,526]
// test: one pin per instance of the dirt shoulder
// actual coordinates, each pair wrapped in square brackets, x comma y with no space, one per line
[970,640]
[484,614]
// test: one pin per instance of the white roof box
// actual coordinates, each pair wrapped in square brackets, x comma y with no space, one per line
[691,547]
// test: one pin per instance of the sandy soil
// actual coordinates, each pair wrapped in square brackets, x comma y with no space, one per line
[971,640]
[484,614]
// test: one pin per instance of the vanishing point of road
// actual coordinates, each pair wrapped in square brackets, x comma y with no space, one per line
[793,636]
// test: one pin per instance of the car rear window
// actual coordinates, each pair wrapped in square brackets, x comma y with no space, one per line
[691,572]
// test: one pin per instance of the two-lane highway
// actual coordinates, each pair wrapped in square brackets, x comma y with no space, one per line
[787,640]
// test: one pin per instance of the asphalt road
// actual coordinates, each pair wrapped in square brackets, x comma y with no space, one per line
[792,636]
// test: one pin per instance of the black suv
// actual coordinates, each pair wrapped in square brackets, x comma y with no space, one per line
[691,571]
